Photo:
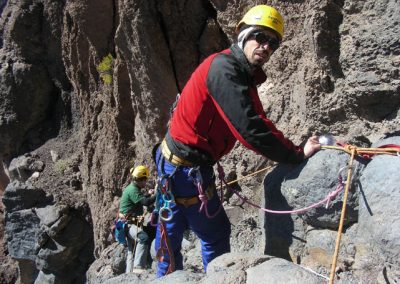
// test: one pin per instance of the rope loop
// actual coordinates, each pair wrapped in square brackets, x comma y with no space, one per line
[203,198]
[198,180]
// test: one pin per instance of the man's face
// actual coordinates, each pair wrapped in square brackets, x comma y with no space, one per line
[141,183]
[259,46]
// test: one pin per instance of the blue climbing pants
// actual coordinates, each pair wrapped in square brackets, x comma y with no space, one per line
[214,233]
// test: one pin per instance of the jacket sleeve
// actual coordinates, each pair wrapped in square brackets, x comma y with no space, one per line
[147,201]
[229,86]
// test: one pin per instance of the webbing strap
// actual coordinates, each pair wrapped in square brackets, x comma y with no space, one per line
[165,247]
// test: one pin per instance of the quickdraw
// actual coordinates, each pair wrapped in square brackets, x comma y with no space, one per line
[164,198]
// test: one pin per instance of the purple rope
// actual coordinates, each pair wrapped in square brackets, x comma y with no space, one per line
[331,195]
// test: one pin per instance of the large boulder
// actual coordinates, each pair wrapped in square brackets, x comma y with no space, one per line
[278,270]
[66,244]
[22,167]
[110,263]
[378,235]
[19,196]
[179,276]
[22,234]
[231,268]
[51,242]
[315,180]
[289,188]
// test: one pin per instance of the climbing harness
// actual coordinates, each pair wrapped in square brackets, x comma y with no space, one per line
[138,222]
[173,159]
[121,226]
[165,197]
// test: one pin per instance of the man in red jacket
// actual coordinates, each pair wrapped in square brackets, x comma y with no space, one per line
[218,106]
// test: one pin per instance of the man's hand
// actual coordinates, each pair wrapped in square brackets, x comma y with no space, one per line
[312,146]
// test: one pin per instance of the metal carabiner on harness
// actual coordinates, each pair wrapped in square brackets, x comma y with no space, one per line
[197,178]
[168,197]
[166,208]
[164,198]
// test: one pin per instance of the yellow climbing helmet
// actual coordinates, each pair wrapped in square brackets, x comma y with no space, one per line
[263,15]
[140,172]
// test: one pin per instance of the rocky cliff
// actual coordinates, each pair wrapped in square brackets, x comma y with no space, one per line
[86,87]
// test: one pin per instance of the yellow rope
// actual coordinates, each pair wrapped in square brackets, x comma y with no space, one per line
[249,175]
[353,151]
[389,151]
[342,215]
[359,151]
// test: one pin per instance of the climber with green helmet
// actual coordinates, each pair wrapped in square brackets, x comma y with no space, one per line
[131,210]
[219,106]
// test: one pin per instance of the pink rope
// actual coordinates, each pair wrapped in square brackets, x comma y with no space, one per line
[204,200]
[327,200]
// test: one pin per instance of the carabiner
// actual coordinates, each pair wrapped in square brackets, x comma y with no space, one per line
[169,213]
[168,197]
[197,178]
[162,179]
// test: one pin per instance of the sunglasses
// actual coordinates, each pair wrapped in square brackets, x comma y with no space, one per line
[262,38]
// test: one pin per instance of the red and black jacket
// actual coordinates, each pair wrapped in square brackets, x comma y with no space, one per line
[219,105]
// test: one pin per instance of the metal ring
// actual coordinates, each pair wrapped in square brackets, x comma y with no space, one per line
[169,216]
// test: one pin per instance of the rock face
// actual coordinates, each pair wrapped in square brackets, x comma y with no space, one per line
[378,233]
[49,241]
[370,240]
[96,79]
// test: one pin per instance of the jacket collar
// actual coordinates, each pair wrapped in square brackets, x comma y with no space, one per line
[257,74]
